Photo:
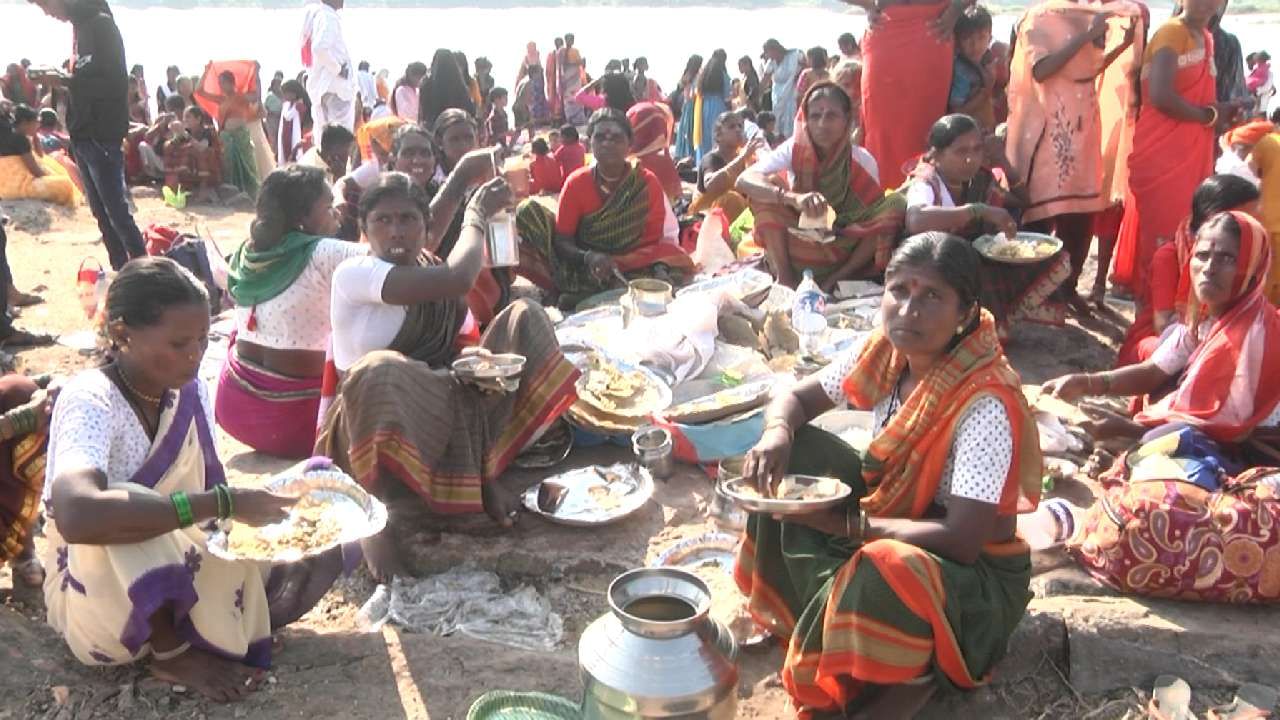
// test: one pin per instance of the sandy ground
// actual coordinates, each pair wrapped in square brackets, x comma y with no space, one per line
[328,669]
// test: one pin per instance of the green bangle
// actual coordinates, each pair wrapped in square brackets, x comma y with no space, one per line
[224,501]
[182,505]
[975,210]
[23,421]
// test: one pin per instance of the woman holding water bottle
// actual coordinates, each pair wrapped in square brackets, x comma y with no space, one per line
[922,572]
[399,320]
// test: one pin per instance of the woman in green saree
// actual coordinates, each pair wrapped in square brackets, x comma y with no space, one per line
[920,580]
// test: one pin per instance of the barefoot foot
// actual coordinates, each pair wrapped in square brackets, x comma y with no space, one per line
[217,679]
[382,557]
[500,505]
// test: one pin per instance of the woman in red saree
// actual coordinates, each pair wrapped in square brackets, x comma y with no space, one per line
[1173,140]
[653,124]
[612,218]
[1225,357]
[906,75]
[817,172]
[1170,281]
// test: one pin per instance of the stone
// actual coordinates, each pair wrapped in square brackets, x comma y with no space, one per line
[1122,642]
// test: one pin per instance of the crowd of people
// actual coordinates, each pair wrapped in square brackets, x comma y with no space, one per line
[364,274]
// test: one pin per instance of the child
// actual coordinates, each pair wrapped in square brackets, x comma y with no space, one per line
[768,125]
[972,81]
[547,177]
[571,155]
[815,73]
[553,140]
[498,126]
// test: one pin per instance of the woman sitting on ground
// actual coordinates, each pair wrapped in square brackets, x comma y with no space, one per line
[193,156]
[26,407]
[817,169]
[134,481]
[412,153]
[269,392]
[1169,284]
[953,190]
[400,413]
[22,175]
[722,167]
[55,157]
[613,217]
[235,111]
[1220,362]
[1208,445]
[921,574]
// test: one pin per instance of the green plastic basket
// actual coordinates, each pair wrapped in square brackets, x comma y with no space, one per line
[507,705]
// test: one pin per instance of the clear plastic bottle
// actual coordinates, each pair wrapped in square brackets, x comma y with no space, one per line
[1052,524]
[807,313]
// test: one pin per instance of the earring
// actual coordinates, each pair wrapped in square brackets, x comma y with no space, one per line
[959,329]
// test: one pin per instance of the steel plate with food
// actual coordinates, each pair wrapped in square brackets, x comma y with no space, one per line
[748,285]
[332,510]
[711,557]
[722,403]
[621,389]
[1024,249]
[592,495]
[795,495]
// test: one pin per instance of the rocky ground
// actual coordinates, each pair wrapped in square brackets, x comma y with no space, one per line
[1082,652]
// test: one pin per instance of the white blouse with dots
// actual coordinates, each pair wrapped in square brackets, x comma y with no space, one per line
[95,428]
[981,450]
[298,318]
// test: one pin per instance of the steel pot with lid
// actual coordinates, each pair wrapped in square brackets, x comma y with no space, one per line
[658,653]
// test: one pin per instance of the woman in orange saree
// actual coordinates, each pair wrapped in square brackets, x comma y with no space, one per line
[920,579]
[908,45]
[1173,140]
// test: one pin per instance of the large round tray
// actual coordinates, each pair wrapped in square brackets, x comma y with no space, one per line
[721,404]
[360,514]
[779,506]
[578,510]
[717,549]
[748,285]
[986,243]
[662,396]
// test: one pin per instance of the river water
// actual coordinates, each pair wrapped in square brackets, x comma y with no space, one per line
[392,37]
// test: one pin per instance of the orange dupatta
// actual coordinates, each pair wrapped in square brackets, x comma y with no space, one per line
[904,463]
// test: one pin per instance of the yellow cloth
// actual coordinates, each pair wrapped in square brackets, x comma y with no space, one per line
[95,593]
[17,182]
[1266,156]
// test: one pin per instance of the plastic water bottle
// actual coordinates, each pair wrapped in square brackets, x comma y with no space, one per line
[1052,524]
[807,313]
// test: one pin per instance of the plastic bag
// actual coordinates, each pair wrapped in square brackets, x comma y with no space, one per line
[469,601]
[713,251]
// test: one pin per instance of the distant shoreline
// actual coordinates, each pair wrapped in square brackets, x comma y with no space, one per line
[1240,7]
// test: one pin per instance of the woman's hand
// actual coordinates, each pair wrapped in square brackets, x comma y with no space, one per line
[476,167]
[811,204]
[766,463]
[600,265]
[995,155]
[41,403]
[831,521]
[259,507]
[1001,219]
[1068,388]
[492,198]
[943,26]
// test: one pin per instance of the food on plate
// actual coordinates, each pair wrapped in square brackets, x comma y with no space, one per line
[1006,249]
[309,526]
[609,388]
[792,489]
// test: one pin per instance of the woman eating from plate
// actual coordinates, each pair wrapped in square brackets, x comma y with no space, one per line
[920,575]
[135,481]
[816,174]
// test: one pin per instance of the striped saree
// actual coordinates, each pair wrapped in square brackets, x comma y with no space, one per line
[886,612]
[404,415]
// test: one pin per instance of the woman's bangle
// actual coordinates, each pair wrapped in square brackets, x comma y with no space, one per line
[976,210]
[1213,116]
[225,505]
[22,421]
[182,506]
[779,423]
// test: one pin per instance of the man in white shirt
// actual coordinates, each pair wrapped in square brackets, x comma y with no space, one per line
[368,86]
[783,68]
[330,79]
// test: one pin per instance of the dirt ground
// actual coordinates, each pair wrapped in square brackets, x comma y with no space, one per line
[327,668]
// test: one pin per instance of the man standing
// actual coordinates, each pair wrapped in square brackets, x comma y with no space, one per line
[368,86]
[98,118]
[783,67]
[330,78]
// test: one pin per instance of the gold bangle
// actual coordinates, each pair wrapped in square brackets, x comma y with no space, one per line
[1213,116]
[778,423]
